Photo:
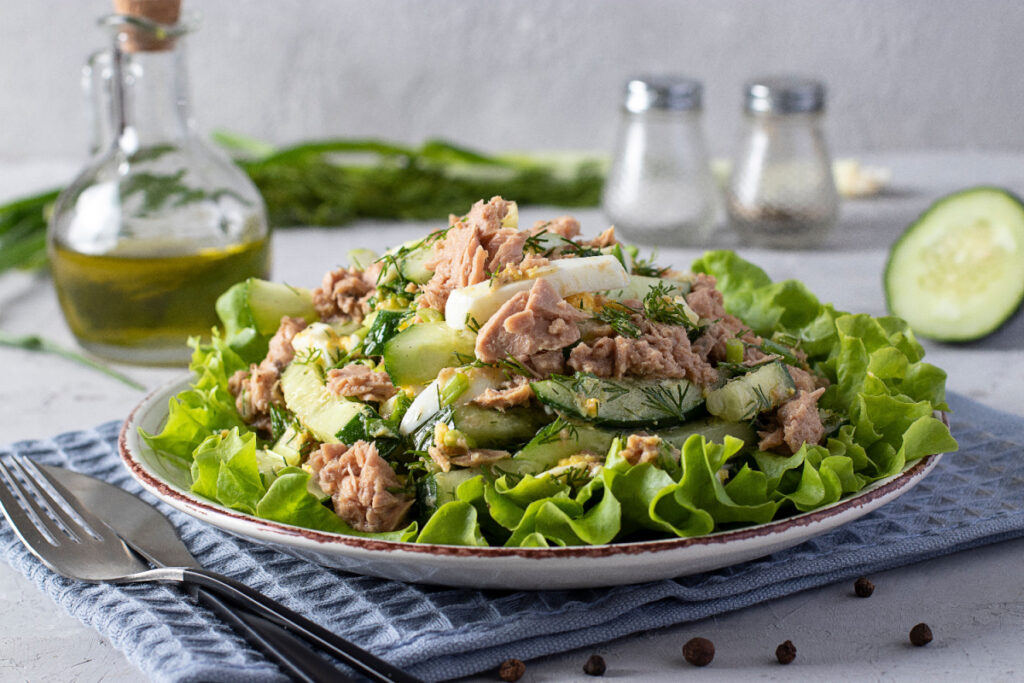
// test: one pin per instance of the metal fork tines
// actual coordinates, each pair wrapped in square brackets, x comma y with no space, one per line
[81,546]
[85,549]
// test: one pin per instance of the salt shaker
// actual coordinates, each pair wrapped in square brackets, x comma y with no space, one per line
[781,193]
[660,189]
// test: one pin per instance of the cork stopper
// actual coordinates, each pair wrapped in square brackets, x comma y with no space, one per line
[138,39]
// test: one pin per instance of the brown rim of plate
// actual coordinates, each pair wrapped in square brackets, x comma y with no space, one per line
[906,478]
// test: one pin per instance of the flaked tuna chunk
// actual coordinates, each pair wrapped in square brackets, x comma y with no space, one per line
[472,248]
[529,324]
[444,458]
[345,293]
[458,260]
[280,352]
[514,392]
[257,388]
[365,490]
[564,226]
[706,301]
[359,381]
[504,247]
[640,449]
[605,239]
[487,215]
[661,351]
[798,422]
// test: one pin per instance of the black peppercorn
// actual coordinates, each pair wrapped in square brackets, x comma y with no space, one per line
[920,635]
[786,652]
[595,666]
[863,588]
[511,670]
[699,651]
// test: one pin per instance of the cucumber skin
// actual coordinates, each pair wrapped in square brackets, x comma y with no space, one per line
[894,252]
[416,354]
[609,410]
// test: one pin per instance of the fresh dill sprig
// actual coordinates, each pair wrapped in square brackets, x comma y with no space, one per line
[578,250]
[472,324]
[660,307]
[515,366]
[669,399]
[552,432]
[535,245]
[646,266]
[620,318]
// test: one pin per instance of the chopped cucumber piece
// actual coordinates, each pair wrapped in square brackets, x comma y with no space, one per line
[415,355]
[712,428]
[756,392]
[412,264]
[957,273]
[552,445]
[261,305]
[319,411]
[640,285]
[361,258]
[623,402]
[495,428]
[438,488]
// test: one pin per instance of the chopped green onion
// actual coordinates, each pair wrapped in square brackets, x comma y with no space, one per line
[734,350]
[455,387]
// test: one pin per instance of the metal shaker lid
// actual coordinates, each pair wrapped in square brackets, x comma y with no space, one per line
[784,95]
[672,93]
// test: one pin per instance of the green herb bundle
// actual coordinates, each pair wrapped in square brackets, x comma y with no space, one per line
[334,182]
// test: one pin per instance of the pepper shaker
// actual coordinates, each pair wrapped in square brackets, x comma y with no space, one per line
[660,189]
[781,193]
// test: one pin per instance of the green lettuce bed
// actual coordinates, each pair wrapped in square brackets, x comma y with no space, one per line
[880,387]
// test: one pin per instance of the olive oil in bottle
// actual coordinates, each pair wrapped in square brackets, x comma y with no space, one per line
[144,309]
[158,224]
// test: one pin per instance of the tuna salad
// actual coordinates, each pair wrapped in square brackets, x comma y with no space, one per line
[497,384]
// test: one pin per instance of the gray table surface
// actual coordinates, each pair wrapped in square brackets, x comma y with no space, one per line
[974,601]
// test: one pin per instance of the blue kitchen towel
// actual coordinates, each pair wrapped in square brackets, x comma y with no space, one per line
[972,498]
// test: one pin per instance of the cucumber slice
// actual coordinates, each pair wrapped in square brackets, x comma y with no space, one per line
[546,450]
[957,273]
[319,411]
[261,305]
[756,392]
[712,428]
[438,488]
[490,428]
[640,285]
[415,355]
[626,402]
[412,263]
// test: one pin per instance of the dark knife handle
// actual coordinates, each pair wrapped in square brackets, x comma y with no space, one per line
[237,592]
[290,653]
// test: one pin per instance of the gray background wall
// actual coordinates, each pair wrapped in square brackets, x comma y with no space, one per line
[538,73]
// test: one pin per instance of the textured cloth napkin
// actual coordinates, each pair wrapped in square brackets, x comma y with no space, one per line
[973,497]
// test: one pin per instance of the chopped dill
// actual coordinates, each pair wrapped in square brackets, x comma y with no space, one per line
[646,266]
[620,318]
[660,307]
[534,244]
[578,250]
[669,399]
[552,432]
[515,366]
[472,324]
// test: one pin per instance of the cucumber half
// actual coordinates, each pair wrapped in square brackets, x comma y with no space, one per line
[957,273]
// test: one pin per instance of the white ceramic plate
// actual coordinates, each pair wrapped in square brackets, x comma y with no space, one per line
[503,568]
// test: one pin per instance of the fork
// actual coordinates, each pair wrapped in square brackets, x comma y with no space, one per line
[85,548]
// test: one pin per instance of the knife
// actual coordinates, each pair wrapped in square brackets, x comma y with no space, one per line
[151,534]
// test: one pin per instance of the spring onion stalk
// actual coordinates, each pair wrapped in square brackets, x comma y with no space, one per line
[33,342]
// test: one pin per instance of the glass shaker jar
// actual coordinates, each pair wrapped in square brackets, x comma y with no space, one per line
[660,189]
[781,193]
[158,224]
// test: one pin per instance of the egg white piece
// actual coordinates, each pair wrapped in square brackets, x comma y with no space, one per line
[568,276]
[428,401]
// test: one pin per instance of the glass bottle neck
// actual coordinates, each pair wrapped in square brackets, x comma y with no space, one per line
[149,99]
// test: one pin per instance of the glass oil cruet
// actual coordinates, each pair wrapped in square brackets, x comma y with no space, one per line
[158,224]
